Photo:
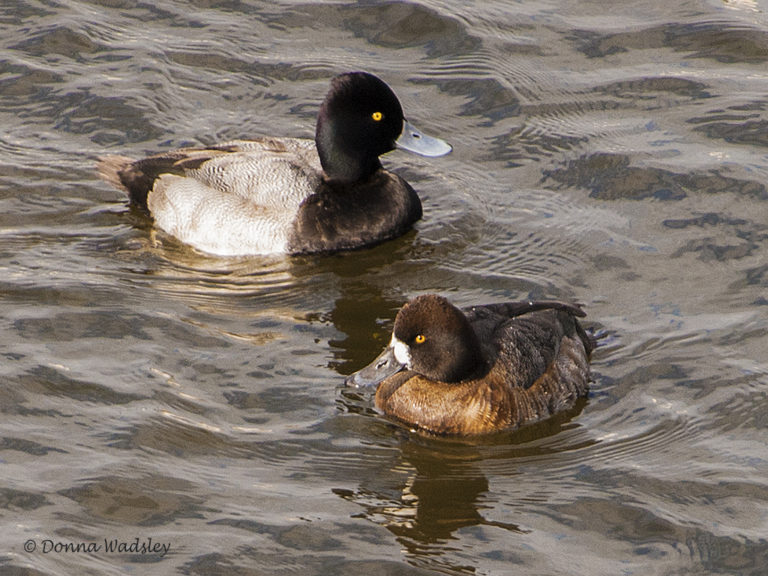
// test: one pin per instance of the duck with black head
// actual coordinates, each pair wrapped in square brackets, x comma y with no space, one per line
[482,369]
[288,195]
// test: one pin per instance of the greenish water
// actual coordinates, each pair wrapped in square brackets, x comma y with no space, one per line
[153,396]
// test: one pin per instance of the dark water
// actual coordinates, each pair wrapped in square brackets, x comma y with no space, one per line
[610,153]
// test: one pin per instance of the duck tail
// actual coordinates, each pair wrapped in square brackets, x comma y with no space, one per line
[126,174]
[588,337]
[109,168]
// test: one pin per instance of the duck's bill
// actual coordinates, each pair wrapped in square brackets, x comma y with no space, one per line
[414,140]
[383,367]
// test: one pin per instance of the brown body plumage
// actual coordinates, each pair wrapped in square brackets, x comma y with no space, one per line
[485,369]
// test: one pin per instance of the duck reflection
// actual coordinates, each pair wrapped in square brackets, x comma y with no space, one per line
[443,492]
[364,320]
[444,495]
[435,487]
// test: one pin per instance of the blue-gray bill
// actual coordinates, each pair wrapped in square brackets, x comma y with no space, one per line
[382,367]
[414,140]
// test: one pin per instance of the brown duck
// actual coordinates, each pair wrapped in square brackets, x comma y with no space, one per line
[484,369]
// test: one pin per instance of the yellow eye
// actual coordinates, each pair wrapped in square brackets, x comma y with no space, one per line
[420,338]
[377,116]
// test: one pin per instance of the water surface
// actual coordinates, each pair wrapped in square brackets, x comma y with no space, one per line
[617,158]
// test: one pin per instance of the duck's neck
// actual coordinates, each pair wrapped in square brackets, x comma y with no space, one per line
[343,161]
[463,348]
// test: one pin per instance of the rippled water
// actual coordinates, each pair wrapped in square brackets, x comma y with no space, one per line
[614,156]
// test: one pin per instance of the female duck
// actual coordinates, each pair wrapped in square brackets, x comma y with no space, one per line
[288,195]
[484,369]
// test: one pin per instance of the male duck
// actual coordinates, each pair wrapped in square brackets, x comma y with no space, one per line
[484,369]
[288,195]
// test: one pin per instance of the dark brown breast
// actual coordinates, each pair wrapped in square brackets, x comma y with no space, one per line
[343,217]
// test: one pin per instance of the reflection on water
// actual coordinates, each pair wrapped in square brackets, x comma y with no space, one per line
[616,159]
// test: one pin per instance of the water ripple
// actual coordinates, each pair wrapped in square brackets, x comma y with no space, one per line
[611,157]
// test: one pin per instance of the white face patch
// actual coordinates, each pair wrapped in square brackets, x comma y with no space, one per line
[402,351]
